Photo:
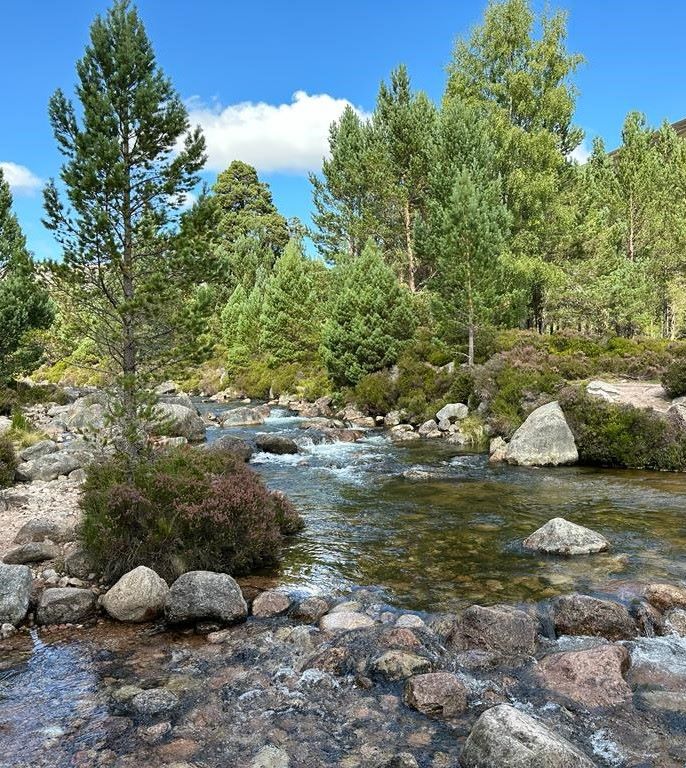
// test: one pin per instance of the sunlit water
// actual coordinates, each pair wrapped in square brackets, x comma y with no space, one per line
[455,538]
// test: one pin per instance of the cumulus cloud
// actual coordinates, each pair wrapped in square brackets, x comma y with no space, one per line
[20,178]
[288,137]
[580,154]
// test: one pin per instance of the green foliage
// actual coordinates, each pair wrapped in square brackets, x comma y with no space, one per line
[376,393]
[8,462]
[674,378]
[610,435]
[369,319]
[184,509]
[261,380]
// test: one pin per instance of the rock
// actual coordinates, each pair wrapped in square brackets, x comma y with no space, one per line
[36,451]
[401,760]
[78,564]
[675,622]
[343,621]
[591,678]
[50,466]
[31,552]
[310,610]
[583,615]
[404,433]
[205,595]
[444,425]
[65,605]
[270,603]
[427,428]
[15,592]
[154,701]
[497,629]
[497,450]
[666,596]
[178,420]
[233,444]
[410,621]
[544,439]
[392,419]
[436,694]
[166,388]
[239,417]
[140,595]
[453,412]
[670,702]
[278,444]
[5,424]
[504,737]
[87,414]
[560,537]
[398,665]
[38,529]
[6,629]
[271,757]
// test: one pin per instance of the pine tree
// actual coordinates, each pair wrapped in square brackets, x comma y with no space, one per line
[369,318]
[126,178]
[24,304]
[292,311]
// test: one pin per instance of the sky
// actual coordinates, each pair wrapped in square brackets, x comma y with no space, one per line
[265,79]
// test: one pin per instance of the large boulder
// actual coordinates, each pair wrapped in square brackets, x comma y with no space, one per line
[270,443]
[50,466]
[584,615]
[40,529]
[140,595]
[591,678]
[31,552]
[177,420]
[15,592]
[666,596]
[560,537]
[452,412]
[87,414]
[39,449]
[199,595]
[500,630]
[65,605]
[544,439]
[436,694]
[504,736]
[245,416]
[233,444]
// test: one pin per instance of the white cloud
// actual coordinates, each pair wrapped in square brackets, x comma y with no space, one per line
[20,178]
[580,154]
[290,137]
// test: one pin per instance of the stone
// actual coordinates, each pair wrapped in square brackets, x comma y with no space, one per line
[198,595]
[560,537]
[244,416]
[505,737]
[584,615]
[270,603]
[78,564]
[50,466]
[278,444]
[453,412]
[271,757]
[37,450]
[7,630]
[675,621]
[140,595]
[5,424]
[401,760]
[497,629]
[398,665]
[670,702]
[15,593]
[154,701]
[404,433]
[87,414]
[38,529]
[392,419]
[177,420]
[436,694]
[410,621]
[666,596]
[497,450]
[427,428]
[591,678]
[343,621]
[233,444]
[65,605]
[310,610]
[166,388]
[544,439]
[31,552]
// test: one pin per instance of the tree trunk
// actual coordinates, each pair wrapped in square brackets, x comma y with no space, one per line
[470,319]
[411,268]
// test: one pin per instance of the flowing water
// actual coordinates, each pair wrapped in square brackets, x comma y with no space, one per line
[437,528]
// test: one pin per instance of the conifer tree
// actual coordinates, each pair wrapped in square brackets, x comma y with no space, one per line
[368,320]
[125,177]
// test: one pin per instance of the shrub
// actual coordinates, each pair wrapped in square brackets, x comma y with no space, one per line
[8,462]
[611,435]
[375,393]
[674,378]
[184,509]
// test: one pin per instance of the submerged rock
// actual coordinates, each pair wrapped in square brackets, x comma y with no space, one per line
[505,737]
[276,444]
[15,593]
[154,701]
[398,665]
[270,603]
[140,595]
[498,629]
[544,439]
[65,605]
[198,595]
[436,694]
[583,615]
[591,678]
[271,757]
[560,537]
[310,610]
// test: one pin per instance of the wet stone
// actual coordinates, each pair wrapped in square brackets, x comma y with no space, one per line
[583,615]
[345,621]
[436,694]
[310,610]
[154,701]
[271,757]
[398,665]
[270,603]
[666,596]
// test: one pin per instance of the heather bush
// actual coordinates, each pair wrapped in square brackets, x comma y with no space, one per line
[8,462]
[674,378]
[610,435]
[375,393]
[183,509]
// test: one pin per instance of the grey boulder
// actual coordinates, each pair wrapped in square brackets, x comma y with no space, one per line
[31,552]
[560,537]
[232,444]
[140,595]
[276,444]
[65,605]
[453,412]
[590,616]
[176,420]
[15,592]
[544,439]
[245,416]
[199,595]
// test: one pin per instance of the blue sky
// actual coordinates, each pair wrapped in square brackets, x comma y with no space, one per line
[240,66]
